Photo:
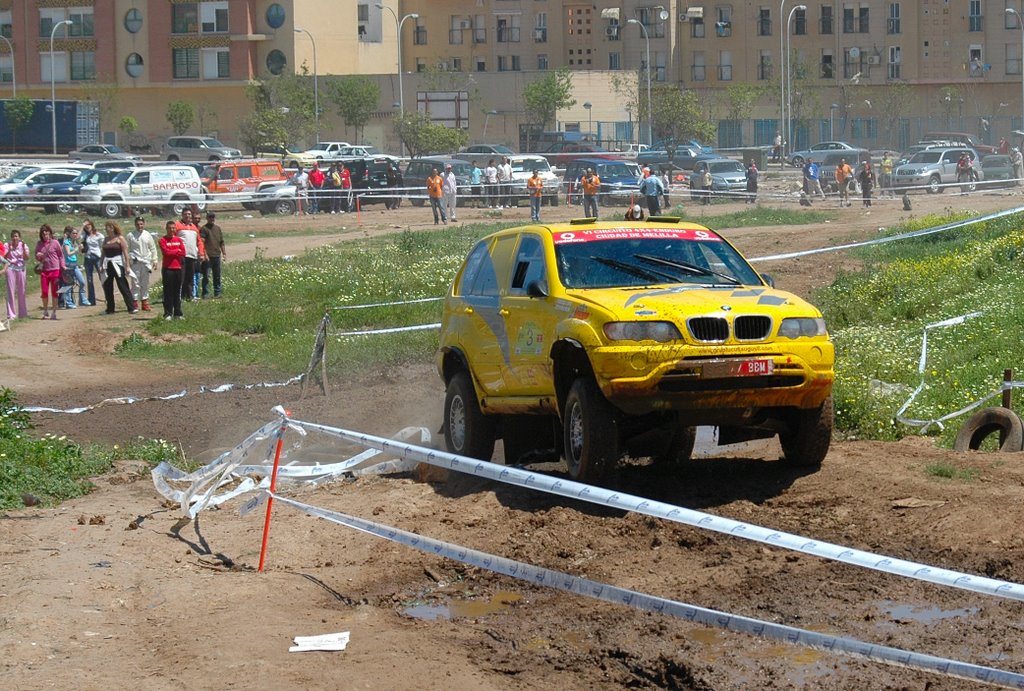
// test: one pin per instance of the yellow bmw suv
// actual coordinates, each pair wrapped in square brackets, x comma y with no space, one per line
[594,340]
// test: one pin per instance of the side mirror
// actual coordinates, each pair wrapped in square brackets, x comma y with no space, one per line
[767,278]
[537,289]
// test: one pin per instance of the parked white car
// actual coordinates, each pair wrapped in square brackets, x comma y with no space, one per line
[24,184]
[523,166]
[149,186]
[327,150]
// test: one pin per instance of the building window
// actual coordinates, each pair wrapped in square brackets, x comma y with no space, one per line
[974,15]
[516,65]
[826,19]
[852,62]
[542,62]
[503,63]
[6,68]
[456,64]
[659,65]
[185,62]
[481,65]
[800,22]
[276,61]
[723,23]
[81,22]
[216,63]
[1010,19]
[81,19]
[895,58]
[893,24]
[1013,58]
[508,29]
[133,21]
[419,35]
[184,18]
[764,22]
[764,65]
[275,16]
[455,30]
[614,61]
[698,70]
[975,63]
[421,65]
[855,20]
[650,17]
[83,65]
[479,29]
[53,66]
[827,65]
[697,27]
[134,65]
[725,66]
[213,16]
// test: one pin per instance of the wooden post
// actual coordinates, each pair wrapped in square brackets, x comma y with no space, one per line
[1007,392]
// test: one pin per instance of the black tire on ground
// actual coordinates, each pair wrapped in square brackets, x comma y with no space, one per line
[591,431]
[283,207]
[990,421]
[678,447]
[934,185]
[179,204]
[63,208]
[418,202]
[806,443]
[523,434]
[111,209]
[797,162]
[467,431]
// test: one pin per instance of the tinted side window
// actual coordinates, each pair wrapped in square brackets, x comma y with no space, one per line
[225,174]
[529,264]
[245,171]
[141,179]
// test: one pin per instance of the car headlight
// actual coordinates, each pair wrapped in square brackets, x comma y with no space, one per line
[660,332]
[795,327]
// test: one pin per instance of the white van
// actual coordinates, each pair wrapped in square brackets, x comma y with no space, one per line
[146,186]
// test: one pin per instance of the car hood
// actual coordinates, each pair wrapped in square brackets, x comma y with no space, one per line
[679,302]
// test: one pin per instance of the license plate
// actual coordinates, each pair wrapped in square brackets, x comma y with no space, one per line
[738,368]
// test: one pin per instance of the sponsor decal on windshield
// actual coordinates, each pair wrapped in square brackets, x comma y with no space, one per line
[600,234]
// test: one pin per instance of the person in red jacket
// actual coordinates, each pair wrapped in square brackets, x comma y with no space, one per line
[316,184]
[172,249]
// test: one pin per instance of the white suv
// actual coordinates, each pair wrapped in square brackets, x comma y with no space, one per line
[523,166]
[148,186]
[327,150]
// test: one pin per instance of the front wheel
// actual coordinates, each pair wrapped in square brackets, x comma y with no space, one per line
[179,204]
[798,162]
[934,185]
[283,207]
[111,209]
[467,431]
[64,207]
[10,204]
[806,442]
[591,431]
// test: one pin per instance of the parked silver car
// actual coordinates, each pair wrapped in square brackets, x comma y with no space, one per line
[933,169]
[197,149]
[727,175]
[102,152]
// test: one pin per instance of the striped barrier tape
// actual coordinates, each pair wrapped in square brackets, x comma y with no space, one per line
[597,590]
[649,507]
[391,330]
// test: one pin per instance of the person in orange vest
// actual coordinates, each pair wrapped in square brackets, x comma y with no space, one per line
[591,185]
[535,186]
[844,174]
[435,186]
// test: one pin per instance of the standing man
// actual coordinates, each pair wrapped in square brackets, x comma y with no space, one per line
[189,234]
[535,186]
[814,180]
[435,190]
[1017,159]
[316,184]
[346,188]
[844,174]
[491,183]
[142,255]
[591,185]
[867,181]
[301,182]
[476,177]
[777,147]
[706,181]
[751,183]
[651,189]
[449,190]
[213,238]
[885,175]
[505,180]
[334,180]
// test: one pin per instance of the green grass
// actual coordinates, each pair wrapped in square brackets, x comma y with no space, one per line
[949,471]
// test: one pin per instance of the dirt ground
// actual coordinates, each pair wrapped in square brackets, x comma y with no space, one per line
[111,589]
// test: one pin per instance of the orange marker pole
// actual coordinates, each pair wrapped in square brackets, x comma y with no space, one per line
[270,500]
[359,208]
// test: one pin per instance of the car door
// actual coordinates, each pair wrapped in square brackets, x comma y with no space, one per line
[478,320]
[529,321]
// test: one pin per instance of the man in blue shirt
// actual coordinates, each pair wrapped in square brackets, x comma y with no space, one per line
[812,181]
[476,177]
[652,189]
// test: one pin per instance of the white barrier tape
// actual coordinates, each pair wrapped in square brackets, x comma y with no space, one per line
[696,519]
[125,400]
[577,585]
[385,304]
[892,238]
[924,425]
[394,329]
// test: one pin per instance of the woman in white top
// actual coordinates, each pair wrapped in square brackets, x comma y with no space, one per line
[92,243]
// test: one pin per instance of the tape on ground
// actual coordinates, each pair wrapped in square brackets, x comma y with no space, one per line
[649,603]
[697,519]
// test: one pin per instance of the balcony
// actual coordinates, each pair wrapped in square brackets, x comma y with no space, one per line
[508,34]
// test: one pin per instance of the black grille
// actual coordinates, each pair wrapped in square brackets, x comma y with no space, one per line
[708,328]
[752,328]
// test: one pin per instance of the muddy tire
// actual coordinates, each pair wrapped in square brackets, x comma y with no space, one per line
[806,443]
[467,431]
[591,431]
[990,421]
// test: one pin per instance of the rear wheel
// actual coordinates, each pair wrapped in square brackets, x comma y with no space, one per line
[111,208]
[807,440]
[591,431]
[283,207]
[798,162]
[467,431]
[179,204]
[64,207]
[934,185]
[10,204]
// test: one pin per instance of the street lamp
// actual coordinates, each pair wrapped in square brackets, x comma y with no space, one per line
[590,119]
[316,85]
[647,40]
[1020,25]
[398,32]
[831,114]
[487,120]
[782,89]
[53,92]
[14,74]
[789,73]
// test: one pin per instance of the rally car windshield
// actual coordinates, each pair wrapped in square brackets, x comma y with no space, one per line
[628,257]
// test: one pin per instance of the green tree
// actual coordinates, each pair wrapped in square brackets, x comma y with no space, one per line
[18,113]
[545,96]
[677,115]
[421,136]
[180,116]
[290,95]
[356,99]
[262,126]
[894,103]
